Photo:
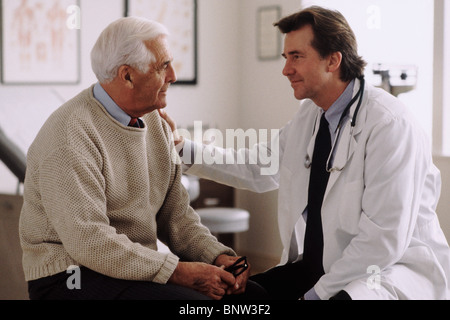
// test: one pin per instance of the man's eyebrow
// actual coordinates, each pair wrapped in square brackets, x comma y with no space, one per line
[290,53]
[167,62]
[163,64]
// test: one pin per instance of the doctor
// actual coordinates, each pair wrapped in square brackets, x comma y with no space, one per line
[376,234]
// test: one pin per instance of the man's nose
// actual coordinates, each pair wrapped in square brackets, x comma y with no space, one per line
[288,70]
[171,75]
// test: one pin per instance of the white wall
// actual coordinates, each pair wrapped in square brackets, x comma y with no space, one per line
[215,100]
[446,82]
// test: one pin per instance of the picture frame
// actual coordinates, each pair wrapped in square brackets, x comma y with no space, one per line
[268,37]
[40,42]
[180,17]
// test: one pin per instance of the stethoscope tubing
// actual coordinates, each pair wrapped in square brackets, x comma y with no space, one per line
[359,95]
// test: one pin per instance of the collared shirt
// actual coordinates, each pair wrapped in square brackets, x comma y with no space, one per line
[333,114]
[113,109]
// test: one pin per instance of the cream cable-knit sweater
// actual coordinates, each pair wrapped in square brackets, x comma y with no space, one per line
[97,194]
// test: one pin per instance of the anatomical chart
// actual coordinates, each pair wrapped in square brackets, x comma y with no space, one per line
[38,44]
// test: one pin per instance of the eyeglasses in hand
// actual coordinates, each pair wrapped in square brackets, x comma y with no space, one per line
[238,267]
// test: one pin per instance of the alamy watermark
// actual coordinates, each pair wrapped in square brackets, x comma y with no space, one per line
[74,281]
[73,21]
[374,280]
[236,146]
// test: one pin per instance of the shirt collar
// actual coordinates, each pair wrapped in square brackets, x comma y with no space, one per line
[333,114]
[113,109]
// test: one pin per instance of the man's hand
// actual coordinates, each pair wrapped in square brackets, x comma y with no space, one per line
[225,261]
[210,280]
[172,124]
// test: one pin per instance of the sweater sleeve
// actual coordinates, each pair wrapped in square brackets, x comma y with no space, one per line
[73,195]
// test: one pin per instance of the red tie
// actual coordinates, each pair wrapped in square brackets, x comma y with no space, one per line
[134,123]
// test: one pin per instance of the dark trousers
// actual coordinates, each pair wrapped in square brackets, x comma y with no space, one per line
[96,286]
[290,282]
[286,282]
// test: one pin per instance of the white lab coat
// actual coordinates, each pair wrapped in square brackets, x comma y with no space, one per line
[382,238]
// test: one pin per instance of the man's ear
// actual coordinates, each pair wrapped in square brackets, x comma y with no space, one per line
[335,60]
[125,76]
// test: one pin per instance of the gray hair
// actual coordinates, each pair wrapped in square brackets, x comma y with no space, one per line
[123,43]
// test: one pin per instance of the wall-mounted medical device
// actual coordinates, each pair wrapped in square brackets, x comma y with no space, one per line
[395,78]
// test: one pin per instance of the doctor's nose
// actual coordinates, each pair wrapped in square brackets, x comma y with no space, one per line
[288,70]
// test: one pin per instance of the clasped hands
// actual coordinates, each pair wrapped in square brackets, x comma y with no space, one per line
[213,280]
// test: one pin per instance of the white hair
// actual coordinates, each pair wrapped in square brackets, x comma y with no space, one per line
[123,43]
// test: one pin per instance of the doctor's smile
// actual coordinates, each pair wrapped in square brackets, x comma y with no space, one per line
[295,83]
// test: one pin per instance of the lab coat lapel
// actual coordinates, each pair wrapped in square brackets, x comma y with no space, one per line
[294,172]
[344,152]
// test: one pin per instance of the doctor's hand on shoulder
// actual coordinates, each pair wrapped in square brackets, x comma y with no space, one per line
[172,124]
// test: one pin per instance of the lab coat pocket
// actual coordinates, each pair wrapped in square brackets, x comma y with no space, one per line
[351,206]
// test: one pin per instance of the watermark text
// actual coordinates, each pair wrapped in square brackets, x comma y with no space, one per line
[250,147]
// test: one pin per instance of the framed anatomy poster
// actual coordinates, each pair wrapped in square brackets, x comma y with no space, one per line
[180,17]
[40,41]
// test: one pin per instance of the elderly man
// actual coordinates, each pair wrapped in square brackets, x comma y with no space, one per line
[101,187]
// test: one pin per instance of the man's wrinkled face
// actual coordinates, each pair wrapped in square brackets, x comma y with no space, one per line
[150,89]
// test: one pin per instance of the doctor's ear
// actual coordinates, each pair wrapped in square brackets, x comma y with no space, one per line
[335,60]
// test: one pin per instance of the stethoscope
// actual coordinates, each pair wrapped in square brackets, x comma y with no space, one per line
[359,95]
